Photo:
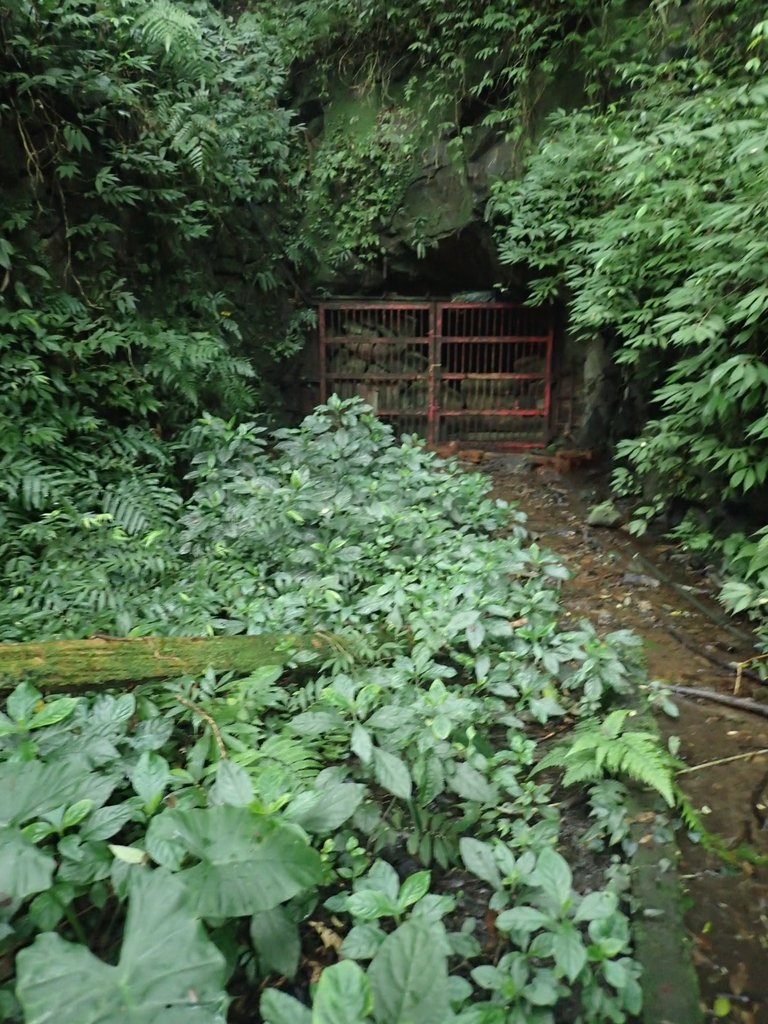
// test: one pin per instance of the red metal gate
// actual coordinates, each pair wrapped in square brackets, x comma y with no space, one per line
[476,373]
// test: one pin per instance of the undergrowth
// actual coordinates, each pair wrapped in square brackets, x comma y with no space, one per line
[173,852]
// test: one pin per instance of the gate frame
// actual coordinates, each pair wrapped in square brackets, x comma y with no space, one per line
[433,341]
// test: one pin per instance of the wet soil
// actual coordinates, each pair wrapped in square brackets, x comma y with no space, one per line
[615,586]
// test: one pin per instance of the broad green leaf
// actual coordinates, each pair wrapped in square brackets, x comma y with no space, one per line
[168,971]
[33,789]
[76,813]
[343,995]
[361,743]
[522,919]
[569,951]
[616,974]
[413,889]
[23,702]
[106,821]
[392,774]
[247,863]
[47,908]
[275,937]
[553,875]
[543,989]
[53,712]
[362,942]
[279,1008]
[24,869]
[324,810]
[596,905]
[382,876]
[488,977]
[370,904]
[150,777]
[470,784]
[409,977]
[479,858]
[232,785]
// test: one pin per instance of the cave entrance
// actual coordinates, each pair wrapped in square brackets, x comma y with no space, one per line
[478,373]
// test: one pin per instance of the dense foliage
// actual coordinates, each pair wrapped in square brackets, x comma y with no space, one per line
[164,184]
[647,213]
[137,142]
[174,850]
[183,855]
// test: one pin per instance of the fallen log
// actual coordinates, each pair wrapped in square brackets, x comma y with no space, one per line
[99,661]
[742,703]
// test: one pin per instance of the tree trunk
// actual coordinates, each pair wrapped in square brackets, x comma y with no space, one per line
[81,664]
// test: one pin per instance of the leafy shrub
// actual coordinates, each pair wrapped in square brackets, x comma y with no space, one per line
[352,781]
[643,213]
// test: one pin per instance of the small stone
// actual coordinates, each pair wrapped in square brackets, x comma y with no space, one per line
[605,514]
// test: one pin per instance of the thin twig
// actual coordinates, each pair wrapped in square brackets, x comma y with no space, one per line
[206,718]
[723,760]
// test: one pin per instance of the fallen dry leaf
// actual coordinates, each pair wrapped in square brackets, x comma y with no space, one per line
[738,979]
[328,936]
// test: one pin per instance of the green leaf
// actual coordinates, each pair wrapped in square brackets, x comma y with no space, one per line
[278,1008]
[409,977]
[76,813]
[232,785]
[596,905]
[553,875]
[343,995]
[150,777]
[543,990]
[479,858]
[275,937]
[23,868]
[361,743]
[247,863]
[522,919]
[53,713]
[470,784]
[370,904]
[321,811]
[47,908]
[22,702]
[168,971]
[392,774]
[569,952]
[414,888]
[33,789]
[106,822]
[362,942]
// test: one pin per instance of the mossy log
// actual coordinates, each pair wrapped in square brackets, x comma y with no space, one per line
[81,664]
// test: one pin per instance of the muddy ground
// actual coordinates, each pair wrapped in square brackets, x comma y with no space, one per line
[614,585]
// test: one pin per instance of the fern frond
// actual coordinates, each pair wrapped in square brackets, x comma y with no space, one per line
[300,761]
[608,748]
[166,25]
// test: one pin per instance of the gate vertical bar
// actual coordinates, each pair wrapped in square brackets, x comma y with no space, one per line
[433,412]
[548,375]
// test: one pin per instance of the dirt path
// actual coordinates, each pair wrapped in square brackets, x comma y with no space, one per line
[728,915]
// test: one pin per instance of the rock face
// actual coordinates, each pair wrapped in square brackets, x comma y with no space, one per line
[430,226]
[430,234]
